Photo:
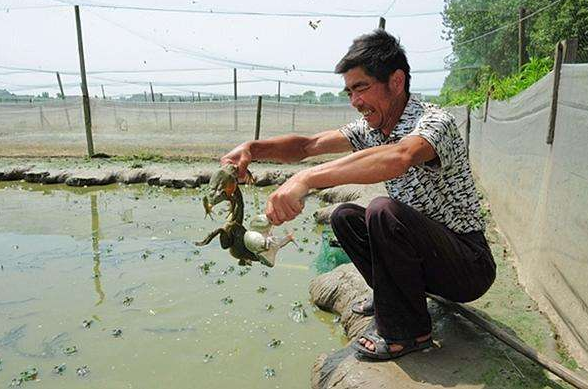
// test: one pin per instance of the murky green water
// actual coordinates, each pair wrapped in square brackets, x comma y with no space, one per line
[70,255]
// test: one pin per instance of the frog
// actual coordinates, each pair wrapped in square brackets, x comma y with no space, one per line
[259,240]
[223,186]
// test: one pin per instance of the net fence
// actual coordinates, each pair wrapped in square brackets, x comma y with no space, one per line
[168,128]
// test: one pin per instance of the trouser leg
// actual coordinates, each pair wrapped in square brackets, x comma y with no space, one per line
[409,254]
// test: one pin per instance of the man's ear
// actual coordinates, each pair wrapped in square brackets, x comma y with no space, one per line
[396,80]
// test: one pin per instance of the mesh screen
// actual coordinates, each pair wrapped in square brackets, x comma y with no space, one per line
[168,128]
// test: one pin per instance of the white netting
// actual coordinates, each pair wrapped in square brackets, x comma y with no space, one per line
[57,127]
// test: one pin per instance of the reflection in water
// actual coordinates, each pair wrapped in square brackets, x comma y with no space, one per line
[96,248]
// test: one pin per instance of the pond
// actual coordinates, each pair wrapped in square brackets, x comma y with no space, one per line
[108,279]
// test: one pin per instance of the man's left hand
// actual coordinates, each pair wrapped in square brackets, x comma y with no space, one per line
[287,201]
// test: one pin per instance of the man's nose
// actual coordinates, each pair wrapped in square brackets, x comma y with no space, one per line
[356,100]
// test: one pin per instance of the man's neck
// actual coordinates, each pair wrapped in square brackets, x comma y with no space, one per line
[397,111]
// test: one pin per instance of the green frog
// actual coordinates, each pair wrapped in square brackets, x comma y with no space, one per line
[223,186]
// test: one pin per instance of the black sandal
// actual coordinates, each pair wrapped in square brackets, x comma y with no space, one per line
[382,350]
[364,307]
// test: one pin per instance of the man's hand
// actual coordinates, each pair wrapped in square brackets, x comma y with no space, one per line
[287,201]
[239,156]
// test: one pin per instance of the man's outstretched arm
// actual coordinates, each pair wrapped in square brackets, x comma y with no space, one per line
[286,149]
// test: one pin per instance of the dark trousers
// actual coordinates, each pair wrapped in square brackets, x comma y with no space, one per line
[402,254]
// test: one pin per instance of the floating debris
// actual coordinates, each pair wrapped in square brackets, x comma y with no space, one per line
[269,307]
[120,238]
[264,273]
[28,375]
[228,270]
[117,333]
[206,266]
[268,372]
[219,281]
[145,254]
[71,350]
[128,301]
[59,369]
[261,289]
[207,358]
[83,371]
[87,323]
[274,343]
[227,300]
[297,313]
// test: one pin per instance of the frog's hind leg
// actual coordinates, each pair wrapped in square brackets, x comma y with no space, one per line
[209,238]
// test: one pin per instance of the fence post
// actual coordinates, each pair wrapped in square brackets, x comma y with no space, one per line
[235,115]
[279,91]
[63,98]
[382,23]
[103,95]
[170,116]
[559,54]
[293,117]
[145,94]
[152,95]
[523,55]
[570,50]
[488,94]
[467,130]
[258,118]
[85,96]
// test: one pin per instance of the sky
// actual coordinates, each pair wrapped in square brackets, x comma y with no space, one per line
[185,46]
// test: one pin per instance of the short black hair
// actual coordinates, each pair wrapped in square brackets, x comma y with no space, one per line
[379,54]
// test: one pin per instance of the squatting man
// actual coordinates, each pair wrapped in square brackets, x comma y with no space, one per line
[427,235]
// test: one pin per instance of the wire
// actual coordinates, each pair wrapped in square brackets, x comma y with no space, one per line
[489,32]
[213,12]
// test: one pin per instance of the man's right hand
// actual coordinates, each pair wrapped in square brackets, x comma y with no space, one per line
[239,156]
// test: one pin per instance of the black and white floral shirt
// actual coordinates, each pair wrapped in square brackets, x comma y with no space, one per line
[443,190]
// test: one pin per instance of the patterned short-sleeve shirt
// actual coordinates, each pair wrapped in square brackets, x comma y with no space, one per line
[442,189]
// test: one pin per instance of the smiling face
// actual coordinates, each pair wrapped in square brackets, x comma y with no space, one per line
[380,103]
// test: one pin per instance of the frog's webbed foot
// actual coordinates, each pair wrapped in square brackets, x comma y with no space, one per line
[209,238]
[244,262]
[207,208]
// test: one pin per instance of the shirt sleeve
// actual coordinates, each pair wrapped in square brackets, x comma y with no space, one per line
[356,133]
[439,129]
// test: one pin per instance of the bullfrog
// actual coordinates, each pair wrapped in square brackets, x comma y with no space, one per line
[223,186]
[259,240]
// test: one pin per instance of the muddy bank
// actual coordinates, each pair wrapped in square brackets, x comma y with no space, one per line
[157,176]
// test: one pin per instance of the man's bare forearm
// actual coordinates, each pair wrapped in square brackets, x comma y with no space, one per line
[287,148]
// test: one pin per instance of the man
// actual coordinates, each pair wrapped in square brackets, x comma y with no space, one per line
[427,235]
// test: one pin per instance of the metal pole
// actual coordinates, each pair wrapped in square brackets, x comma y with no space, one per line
[199,99]
[192,96]
[523,55]
[85,96]
[145,94]
[279,87]
[152,95]
[467,130]
[103,95]
[382,23]
[258,119]
[170,115]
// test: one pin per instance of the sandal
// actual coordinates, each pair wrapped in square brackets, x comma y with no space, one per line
[364,307]
[382,350]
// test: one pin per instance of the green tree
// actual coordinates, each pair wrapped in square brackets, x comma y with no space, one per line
[309,96]
[327,98]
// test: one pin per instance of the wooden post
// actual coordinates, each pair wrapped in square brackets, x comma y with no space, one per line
[570,50]
[85,96]
[63,98]
[60,85]
[170,115]
[145,94]
[103,95]
[523,55]
[235,83]
[192,96]
[559,54]
[467,131]
[199,99]
[279,91]
[488,94]
[293,117]
[258,119]
[161,97]
[152,95]
[382,23]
